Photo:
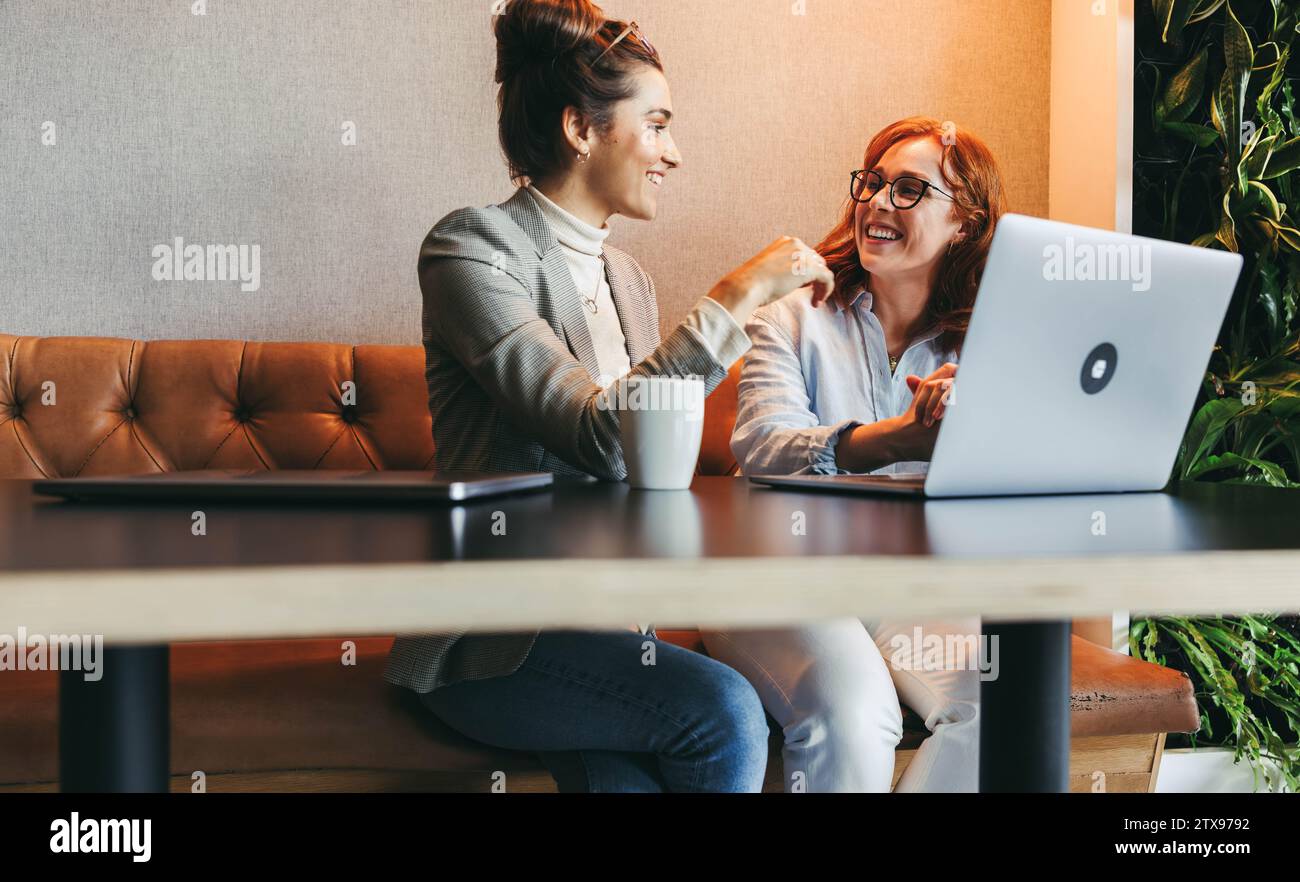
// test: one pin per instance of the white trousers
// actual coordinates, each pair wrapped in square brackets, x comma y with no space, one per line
[834,687]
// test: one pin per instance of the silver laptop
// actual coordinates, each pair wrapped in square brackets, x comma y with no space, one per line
[296,485]
[1080,368]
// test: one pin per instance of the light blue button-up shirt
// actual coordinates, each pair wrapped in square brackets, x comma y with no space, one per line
[814,373]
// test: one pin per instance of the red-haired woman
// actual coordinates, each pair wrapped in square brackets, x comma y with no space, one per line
[861,388]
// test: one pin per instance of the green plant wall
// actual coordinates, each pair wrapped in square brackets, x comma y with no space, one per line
[1217,164]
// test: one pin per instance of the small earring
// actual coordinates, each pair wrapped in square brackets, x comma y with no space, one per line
[583,157]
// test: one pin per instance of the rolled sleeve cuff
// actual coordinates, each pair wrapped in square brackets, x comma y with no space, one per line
[724,337]
[684,352]
[821,448]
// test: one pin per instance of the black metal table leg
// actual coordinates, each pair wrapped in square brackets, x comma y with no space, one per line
[115,732]
[1025,710]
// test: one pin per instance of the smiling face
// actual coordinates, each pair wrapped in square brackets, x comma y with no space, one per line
[894,243]
[629,160]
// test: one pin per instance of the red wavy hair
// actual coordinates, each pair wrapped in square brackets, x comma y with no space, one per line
[972,177]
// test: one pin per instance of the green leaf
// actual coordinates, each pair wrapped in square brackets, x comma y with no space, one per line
[1277,15]
[1201,136]
[1269,472]
[1285,158]
[1257,155]
[1184,91]
[1171,17]
[1267,200]
[1239,57]
[1264,102]
[1288,104]
[1243,208]
[1204,9]
[1279,373]
[1217,110]
[1266,228]
[1291,236]
[1271,64]
[1206,429]
[1227,226]
[1270,298]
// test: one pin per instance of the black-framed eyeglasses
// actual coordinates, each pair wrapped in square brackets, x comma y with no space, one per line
[904,192]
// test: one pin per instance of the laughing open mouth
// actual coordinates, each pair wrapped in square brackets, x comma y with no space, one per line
[883,234]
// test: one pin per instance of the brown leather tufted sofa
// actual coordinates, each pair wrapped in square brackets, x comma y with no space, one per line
[285,715]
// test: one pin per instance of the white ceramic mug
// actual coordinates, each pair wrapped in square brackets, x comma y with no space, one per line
[662,423]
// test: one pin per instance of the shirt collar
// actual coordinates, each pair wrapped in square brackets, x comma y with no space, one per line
[843,302]
[864,300]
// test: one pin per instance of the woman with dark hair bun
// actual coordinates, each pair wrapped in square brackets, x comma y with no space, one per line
[529,319]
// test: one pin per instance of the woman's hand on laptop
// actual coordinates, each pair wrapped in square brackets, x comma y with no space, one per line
[916,430]
[904,438]
[784,266]
[930,396]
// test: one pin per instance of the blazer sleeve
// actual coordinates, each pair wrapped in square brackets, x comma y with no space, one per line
[486,318]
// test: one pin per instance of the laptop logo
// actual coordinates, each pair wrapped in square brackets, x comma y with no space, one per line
[1098,368]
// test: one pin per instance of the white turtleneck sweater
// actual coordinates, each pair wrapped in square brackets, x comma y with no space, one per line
[582,245]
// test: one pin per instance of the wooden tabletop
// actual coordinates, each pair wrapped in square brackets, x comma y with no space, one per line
[602,555]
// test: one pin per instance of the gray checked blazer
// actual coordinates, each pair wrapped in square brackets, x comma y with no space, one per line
[511,371]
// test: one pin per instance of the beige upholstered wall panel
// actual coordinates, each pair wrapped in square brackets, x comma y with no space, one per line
[227,129]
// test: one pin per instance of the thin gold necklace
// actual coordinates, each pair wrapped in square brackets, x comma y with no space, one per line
[893,364]
[591,301]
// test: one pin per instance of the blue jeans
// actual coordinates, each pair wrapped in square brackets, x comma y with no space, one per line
[604,721]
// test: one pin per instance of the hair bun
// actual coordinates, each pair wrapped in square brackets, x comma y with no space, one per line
[539,31]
